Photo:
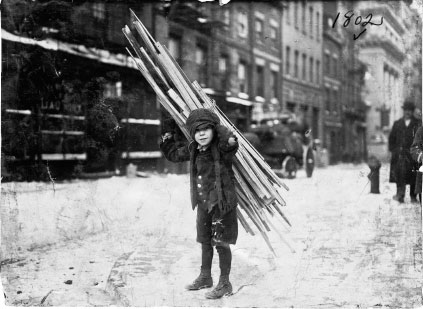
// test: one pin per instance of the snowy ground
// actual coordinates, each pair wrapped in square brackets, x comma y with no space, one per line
[132,242]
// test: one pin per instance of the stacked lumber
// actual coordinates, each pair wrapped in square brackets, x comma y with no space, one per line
[257,186]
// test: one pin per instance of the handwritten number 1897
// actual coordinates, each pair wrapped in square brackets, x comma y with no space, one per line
[358,20]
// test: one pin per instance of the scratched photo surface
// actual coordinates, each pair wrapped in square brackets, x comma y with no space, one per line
[315,139]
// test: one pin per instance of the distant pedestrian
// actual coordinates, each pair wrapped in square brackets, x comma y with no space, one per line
[417,154]
[402,164]
[212,191]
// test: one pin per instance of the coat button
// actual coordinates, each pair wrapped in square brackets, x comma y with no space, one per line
[199,185]
[201,193]
[199,177]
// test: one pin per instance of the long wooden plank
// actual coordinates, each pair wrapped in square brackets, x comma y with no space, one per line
[257,186]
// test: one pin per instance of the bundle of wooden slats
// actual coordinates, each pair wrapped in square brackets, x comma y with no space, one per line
[258,188]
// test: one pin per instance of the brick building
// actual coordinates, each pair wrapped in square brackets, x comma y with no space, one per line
[333,42]
[343,72]
[302,39]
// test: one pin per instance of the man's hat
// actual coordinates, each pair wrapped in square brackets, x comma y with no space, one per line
[408,105]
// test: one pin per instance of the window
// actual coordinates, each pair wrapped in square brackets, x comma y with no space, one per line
[201,61]
[318,26]
[175,47]
[199,55]
[260,81]
[327,64]
[287,60]
[335,100]
[304,67]
[311,21]
[274,84]
[259,30]
[303,9]
[335,67]
[113,89]
[223,64]
[296,14]
[288,13]
[290,107]
[296,55]
[315,126]
[311,65]
[99,11]
[327,97]
[318,72]
[242,24]
[225,15]
[274,35]
[242,76]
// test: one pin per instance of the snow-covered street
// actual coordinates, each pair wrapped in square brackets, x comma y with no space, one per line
[123,241]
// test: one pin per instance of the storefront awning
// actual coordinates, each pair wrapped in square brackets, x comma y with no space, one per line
[239,101]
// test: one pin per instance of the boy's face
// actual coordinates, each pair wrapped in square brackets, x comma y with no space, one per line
[204,136]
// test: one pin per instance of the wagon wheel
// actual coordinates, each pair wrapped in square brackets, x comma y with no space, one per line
[309,166]
[289,167]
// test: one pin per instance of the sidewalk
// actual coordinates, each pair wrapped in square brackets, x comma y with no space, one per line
[352,249]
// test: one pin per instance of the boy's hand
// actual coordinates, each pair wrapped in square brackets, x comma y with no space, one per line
[232,140]
[167,136]
[225,135]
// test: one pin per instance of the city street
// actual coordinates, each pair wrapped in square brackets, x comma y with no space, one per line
[131,241]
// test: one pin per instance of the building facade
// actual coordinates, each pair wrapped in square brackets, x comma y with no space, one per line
[333,42]
[350,112]
[302,41]
[383,52]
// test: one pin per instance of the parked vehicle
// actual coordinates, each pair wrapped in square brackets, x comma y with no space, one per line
[285,145]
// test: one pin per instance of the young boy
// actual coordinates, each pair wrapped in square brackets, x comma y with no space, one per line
[212,192]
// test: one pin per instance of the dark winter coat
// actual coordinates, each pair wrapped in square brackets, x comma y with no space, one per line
[416,150]
[222,155]
[400,140]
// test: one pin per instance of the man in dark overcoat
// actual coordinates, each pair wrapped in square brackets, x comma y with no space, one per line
[403,167]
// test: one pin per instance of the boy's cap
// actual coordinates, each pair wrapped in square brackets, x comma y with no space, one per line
[201,118]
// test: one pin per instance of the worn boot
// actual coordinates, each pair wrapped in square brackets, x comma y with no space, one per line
[204,280]
[398,198]
[223,288]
